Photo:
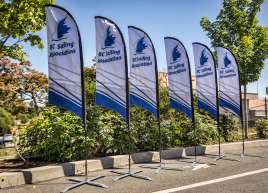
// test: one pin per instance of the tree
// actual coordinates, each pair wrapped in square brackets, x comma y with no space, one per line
[6,121]
[20,84]
[237,28]
[19,21]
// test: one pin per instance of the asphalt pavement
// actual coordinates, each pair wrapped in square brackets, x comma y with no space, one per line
[228,175]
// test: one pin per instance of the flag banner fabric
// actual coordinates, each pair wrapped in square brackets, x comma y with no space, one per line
[143,71]
[229,84]
[65,61]
[111,74]
[179,76]
[206,79]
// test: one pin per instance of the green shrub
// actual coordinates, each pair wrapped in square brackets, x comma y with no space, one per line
[206,131]
[262,128]
[58,136]
[111,134]
[6,121]
[229,127]
[54,136]
[24,118]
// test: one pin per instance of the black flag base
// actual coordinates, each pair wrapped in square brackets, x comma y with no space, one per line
[220,156]
[130,174]
[85,182]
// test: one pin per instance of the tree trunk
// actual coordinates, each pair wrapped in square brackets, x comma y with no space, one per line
[35,103]
[245,111]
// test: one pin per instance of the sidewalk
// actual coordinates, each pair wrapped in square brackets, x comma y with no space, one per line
[39,174]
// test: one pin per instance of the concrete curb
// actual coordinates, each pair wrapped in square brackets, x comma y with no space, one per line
[38,174]
[190,151]
[236,145]
[8,179]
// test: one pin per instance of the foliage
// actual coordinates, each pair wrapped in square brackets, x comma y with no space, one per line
[206,131]
[229,128]
[21,84]
[237,28]
[112,134]
[24,118]
[174,125]
[262,128]
[6,121]
[19,22]
[54,135]
[108,133]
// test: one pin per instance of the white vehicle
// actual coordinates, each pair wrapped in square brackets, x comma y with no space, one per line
[8,140]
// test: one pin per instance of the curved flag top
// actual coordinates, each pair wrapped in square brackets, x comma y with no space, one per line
[206,79]
[229,84]
[64,61]
[179,76]
[111,75]
[143,71]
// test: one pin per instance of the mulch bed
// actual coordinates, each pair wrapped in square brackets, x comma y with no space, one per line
[16,165]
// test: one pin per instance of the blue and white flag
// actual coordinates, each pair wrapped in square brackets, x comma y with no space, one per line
[143,71]
[179,76]
[229,84]
[112,73]
[206,79]
[64,60]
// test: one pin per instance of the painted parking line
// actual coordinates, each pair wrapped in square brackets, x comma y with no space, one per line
[213,181]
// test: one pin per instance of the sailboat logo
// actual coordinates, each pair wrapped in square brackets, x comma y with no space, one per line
[227,61]
[203,58]
[175,54]
[141,45]
[62,30]
[110,38]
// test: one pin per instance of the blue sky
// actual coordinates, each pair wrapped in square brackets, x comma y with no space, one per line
[159,18]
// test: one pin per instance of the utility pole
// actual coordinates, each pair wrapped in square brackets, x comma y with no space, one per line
[245,111]
[265,103]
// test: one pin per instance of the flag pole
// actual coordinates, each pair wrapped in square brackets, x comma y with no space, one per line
[193,125]
[193,113]
[241,110]
[192,106]
[221,155]
[129,173]
[86,181]
[160,166]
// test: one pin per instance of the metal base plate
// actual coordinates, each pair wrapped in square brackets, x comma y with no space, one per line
[85,182]
[130,174]
[161,167]
[223,157]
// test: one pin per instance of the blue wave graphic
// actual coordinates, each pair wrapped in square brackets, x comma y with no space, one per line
[229,105]
[179,106]
[138,101]
[107,102]
[64,102]
[207,107]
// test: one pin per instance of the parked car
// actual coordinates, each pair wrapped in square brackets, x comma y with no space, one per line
[8,140]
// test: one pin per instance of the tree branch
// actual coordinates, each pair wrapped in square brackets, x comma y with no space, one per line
[4,41]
